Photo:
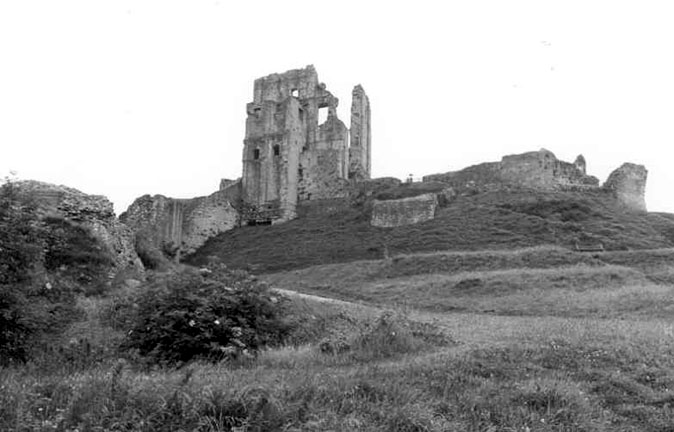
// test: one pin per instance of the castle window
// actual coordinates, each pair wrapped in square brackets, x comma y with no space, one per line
[295,93]
[277,150]
[322,115]
[256,154]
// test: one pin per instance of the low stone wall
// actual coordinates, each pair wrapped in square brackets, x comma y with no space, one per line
[406,211]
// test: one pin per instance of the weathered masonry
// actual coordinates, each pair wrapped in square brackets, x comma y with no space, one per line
[290,154]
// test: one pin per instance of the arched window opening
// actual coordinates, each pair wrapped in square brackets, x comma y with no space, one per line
[277,150]
[256,154]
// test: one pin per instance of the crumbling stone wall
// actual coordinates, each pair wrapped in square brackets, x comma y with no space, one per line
[181,226]
[537,170]
[95,212]
[406,211]
[288,156]
[323,170]
[542,170]
[628,184]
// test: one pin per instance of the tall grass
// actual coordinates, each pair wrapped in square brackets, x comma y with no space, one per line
[592,376]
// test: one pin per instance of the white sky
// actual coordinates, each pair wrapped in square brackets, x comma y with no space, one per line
[128,97]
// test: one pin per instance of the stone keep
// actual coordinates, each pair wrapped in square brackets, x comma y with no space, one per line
[288,156]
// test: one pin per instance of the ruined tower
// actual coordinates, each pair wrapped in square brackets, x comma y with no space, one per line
[289,155]
[359,153]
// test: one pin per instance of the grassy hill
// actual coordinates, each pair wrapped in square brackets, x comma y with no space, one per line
[483,319]
[339,230]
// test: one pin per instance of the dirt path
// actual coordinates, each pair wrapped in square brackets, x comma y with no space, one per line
[475,330]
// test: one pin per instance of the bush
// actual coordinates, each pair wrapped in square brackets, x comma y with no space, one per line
[209,314]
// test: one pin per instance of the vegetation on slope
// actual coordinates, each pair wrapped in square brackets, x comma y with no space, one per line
[497,220]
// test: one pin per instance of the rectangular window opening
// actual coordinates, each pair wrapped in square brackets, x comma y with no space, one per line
[322,115]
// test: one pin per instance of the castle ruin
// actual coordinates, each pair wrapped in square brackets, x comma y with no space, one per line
[289,155]
[292,155]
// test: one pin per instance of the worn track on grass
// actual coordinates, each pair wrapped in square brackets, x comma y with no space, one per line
[475,330]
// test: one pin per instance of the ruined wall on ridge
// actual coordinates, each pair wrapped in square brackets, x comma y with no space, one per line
[542,170]
[181,226]
[536,170]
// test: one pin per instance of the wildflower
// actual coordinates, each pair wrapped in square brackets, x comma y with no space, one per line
[192,323]
[216,322]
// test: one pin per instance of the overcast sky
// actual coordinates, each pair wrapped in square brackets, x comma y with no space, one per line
[129,97]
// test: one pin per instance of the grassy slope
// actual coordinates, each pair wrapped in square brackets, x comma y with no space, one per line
[503,220]
[540,281]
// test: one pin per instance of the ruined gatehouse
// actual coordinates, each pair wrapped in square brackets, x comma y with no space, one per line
[289,155]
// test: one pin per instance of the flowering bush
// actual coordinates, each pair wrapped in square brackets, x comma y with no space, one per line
[208,314]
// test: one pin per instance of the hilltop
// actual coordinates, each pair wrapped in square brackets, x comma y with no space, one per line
[341,231]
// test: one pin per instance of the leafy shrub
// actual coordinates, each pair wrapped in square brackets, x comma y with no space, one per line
[209,314]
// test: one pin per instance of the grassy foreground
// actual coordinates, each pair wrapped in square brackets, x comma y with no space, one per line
[493,373]
[538,339]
